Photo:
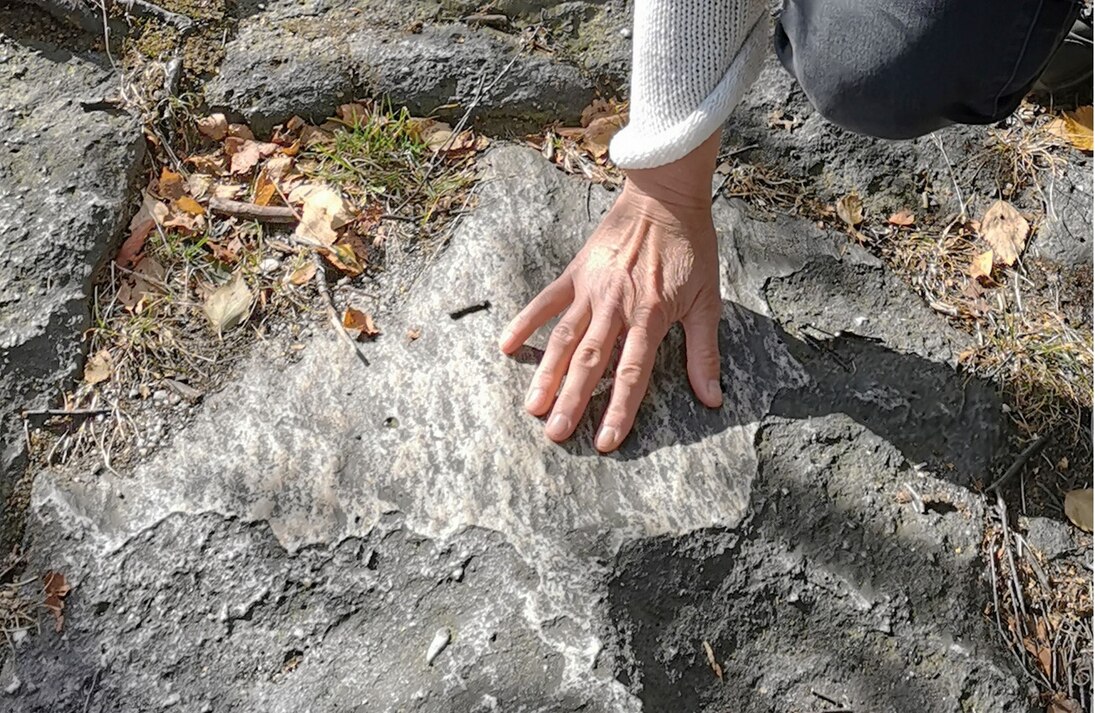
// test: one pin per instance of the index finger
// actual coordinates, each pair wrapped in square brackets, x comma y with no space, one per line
[552,300]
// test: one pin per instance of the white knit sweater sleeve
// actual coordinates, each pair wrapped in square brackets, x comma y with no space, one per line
[691,62]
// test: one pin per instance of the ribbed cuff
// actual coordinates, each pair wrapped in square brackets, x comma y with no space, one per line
[638,146]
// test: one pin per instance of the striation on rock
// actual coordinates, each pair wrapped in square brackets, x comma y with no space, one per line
[296,546]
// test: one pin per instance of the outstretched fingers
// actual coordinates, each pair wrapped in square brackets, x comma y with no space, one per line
[701,335]
[553,366]
[629,387]
[586,368]
[552,300]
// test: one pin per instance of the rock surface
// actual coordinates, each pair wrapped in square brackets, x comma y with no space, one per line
[302,544]
[306,58]
[65,175]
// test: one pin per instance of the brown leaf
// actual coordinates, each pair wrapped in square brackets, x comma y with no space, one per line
[1075,127]
[353,114]
[413,334]
[1005,230]
[342,256]
[359,324]
[215,126]
[214,164]
[55,588]
[228,191]
[1062,704]
[1078,508]
[99,367]
[981,266]
[229,304]
[265,190]
[54,584]
[850,210]
[244,153]
[171,185]
[150,213]
[903,218]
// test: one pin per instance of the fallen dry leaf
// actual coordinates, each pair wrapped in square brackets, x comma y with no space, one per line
[1078,508]
[359,324]
[245,153]
[981,266]
[189,205]
[55,589]
[199,184]
[1063,704]
[903,218]
[413,334]
[1074,127]
[228,191]
[323,212]
[303,274]
[171,185]
[99,367]
[240,131]
[150,213]
[214,164]
[229,304]
[342,256]
[1005,230]
[215,126]
[850,210]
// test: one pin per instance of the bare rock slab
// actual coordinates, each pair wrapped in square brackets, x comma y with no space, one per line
[310,539]
[65,174]
[306,59]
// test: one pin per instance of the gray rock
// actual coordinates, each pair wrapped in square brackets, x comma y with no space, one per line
[1052,538]
[294,547]
[282,63]
[65,174]
[1065,234]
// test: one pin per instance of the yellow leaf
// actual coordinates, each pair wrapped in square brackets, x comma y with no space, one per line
[1074,127]
[982,265]
[1078,508]
[323,213]
[171,184]
[1005,230]
[189,205]
[99,367]
[229,304]
[850,209]
[302,274]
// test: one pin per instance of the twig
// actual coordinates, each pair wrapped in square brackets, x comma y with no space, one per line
[332,311]
[50,412]
[954,180]
[1028,453]
[253,211]
[91,691]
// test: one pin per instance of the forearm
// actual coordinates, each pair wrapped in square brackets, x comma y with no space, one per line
[692,61]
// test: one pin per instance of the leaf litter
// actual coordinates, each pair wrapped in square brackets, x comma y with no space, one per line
[188,277]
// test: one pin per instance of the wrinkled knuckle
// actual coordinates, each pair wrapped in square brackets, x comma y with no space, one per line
[629,375]
[588,356]
[563,335]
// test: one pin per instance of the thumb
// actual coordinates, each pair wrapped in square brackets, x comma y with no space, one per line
[701,334]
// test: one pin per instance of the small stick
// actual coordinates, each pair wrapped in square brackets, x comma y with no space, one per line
[1028,453]
[49,412]
[470,309]
[253,211]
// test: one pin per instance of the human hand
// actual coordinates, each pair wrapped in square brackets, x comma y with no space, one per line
[651,262]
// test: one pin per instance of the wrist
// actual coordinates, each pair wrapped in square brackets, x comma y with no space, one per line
[684,183]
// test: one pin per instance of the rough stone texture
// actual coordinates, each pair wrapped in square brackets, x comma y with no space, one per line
[890,175]
[300,545]
[65,174]
[306,58]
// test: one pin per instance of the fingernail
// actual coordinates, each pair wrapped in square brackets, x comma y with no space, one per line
[559,425]
[606,439]
[534,397]
[714,391]
[504,338]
